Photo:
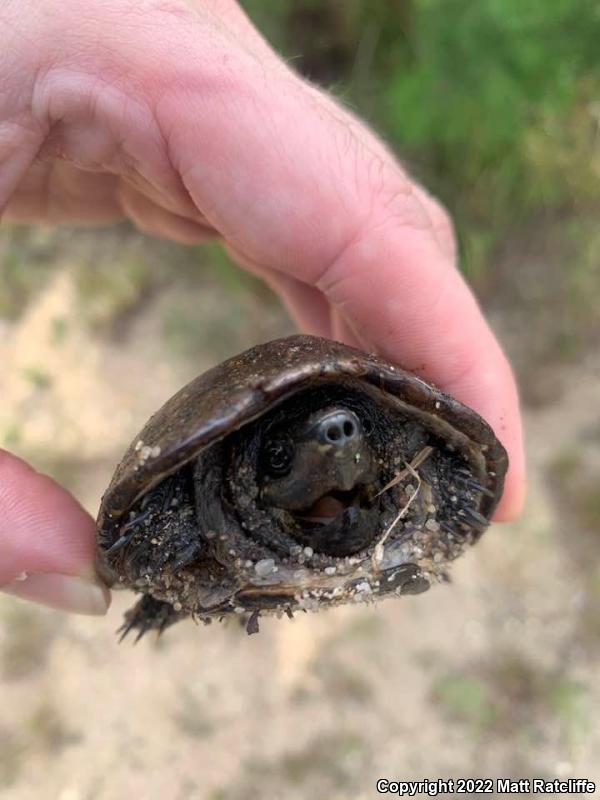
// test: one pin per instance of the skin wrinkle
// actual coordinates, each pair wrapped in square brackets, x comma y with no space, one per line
[23,137]
[182,190]
[78,96]
[232,36]
[273,129]
[441,226]
[372,145]
[183,207]
[344,330]
[245,31]
[12,130]
[358,206]
[180,11]
[26,202]
[8,24]
[404,331]
[343,127]
[323,281]
[102,37]
[329,281]
[188,180]
[436,306]
[47,189]
[349,150]
[12,169]
[118,158]
[165,136]
[191,87]
[384,160]
[411,212]
[306,304]
[151,218]
[189,175]
[298,87]
[378,158]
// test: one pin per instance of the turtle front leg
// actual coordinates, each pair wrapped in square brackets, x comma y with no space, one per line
[149,614]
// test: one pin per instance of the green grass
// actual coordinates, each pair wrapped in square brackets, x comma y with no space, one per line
[26,258]
[569,701]
[109,292]
[322,767]
[38,377]
[508,695]
[492,103]
[465,699]
[59,331]
[12,436]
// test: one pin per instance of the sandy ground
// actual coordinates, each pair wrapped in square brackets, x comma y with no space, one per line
[494,675]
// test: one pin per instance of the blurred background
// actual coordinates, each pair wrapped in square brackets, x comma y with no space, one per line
[495,106]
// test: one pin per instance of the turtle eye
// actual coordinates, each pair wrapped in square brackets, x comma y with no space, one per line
[277,457]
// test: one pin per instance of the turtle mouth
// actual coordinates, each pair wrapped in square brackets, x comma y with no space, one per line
[329,507]
[339,523]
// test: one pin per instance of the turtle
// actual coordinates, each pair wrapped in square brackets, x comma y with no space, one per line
[298,475]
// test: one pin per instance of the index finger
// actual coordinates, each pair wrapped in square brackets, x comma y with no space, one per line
[47,542]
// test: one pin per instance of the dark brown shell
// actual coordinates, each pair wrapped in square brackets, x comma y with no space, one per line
[200,560]
[242,388]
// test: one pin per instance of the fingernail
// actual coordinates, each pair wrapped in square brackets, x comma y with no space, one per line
[65,592]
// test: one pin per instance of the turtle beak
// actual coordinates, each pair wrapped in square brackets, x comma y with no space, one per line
[346,475]
[338,435]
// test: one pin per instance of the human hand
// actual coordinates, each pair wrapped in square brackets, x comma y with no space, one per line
[178,115]
[46,542]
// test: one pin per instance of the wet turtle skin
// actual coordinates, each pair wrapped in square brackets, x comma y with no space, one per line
[300,474]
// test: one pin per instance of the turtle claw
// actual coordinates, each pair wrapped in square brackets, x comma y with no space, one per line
[124,629]
[252,624]
[121,542]
[477,520]
[128,531]
[185,556]
[148,614]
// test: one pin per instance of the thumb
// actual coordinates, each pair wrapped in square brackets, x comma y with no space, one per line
[47,542]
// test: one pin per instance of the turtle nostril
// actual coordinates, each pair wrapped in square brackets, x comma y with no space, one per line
[333,433]
[348,429]
[339,428]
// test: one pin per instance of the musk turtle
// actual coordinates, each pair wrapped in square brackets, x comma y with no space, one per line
[300,474]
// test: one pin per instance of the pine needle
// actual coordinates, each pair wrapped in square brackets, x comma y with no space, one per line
[410,469]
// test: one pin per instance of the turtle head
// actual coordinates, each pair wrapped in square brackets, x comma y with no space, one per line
[318,470]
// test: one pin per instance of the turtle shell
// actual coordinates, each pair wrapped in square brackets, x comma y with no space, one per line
[235,498]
